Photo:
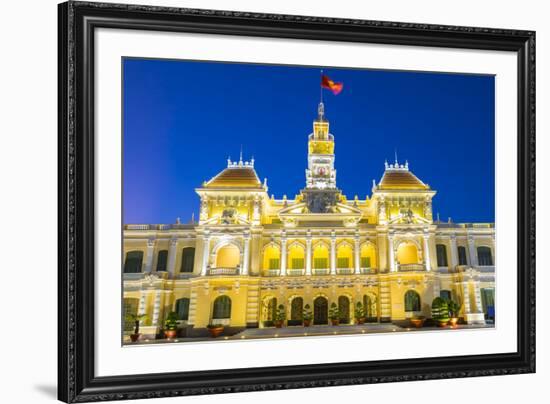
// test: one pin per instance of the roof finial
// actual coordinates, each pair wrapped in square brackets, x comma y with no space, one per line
[321,111]
[241,155]
[396,164]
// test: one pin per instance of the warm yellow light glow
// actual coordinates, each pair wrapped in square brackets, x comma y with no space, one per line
[320,256]
[407,253]
[272,257]
[296,257]
[344,256]
[228,256]
[368,256]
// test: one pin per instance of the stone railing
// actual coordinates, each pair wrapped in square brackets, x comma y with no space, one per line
[294,272]
[345,271]
[411,267]
[369,270]
[320,271]
[272,272]
[223,271]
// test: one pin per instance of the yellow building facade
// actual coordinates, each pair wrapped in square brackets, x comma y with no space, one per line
[249,253]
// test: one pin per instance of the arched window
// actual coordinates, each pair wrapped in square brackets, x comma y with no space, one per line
[320,310]
[412,301]
[272,258]
[343,309]
[296,311]
[222,308]
[162,260]
[320,257]
[296,257]
[462,260]
[368,256]
[130,309]
[441,250]
[133,262]
[271,311]
[484,256]
[228,256]
[369,305]
[182,308]
[407,253]
[187,259]
[344,256]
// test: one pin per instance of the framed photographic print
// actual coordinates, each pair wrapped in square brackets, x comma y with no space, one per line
[255,201]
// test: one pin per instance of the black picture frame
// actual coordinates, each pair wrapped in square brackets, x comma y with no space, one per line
[77,22]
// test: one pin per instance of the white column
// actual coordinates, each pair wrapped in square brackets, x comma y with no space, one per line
[205,254]
[427,259]
[454,252]
[466,297]
[156,308]
[477,298]
[283,255]
[357,255]
[393,267]
[246,255]
[172,254]
[308,254]
[333,253]
[473,252]
[149,255]
[142,303]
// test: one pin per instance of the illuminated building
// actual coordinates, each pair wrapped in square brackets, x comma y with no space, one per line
[249,252]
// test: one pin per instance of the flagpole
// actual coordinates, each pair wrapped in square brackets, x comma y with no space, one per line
[321,84]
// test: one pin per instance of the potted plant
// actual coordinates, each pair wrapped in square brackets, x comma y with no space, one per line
[215,330]
[307,315]
[171,325]
[359,313]
[334,314]
[417,321]
[440,311]
[136,318]
[280,316]
[454,309]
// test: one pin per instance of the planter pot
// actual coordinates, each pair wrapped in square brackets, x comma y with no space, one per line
[215,331]
[453,321]
[417,322]
[360,320]
[134,337]
[442,322]
[278,323]
[334,321]
[170,334]
[307,323]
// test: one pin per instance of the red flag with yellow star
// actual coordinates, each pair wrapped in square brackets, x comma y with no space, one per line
[333,86]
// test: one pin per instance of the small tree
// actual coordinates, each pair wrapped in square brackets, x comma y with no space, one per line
[454,308]
[281,313]
[171,322]
[440,309]
[359,311]
[306,313]
[333,312]
[136,319]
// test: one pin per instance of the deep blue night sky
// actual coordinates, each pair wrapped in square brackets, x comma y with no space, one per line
[182,120]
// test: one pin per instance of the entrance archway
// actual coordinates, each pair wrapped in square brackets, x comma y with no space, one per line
[343,309]
[320,311]
[296,311]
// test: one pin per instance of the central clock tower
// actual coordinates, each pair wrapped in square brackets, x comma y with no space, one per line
[321,193]
[321,173]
